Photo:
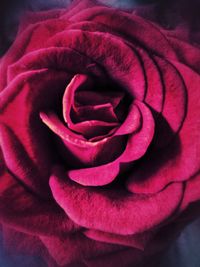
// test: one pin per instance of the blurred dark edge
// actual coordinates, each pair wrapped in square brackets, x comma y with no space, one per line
[184,252]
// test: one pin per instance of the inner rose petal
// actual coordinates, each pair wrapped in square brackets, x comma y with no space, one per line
[92,117]
[91,97]
[100,112]
[137,145]
[79,151]
[91,129]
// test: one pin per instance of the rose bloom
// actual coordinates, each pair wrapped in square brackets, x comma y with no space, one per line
[99,137]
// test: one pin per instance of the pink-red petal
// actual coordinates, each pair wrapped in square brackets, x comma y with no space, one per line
[137,144]
[77,150]
[114,211]
[181,159]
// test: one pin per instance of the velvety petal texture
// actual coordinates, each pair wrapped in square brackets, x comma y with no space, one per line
[99,137]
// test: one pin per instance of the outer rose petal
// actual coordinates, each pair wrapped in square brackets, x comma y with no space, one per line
[22,133]
[120,62]
[93,208]
[19,207]
[156,72]
[171,165]
[186,52]
[152,73]
[35,51]
[175,95]
[65,59]
[21,46]
[136,241]
[107,16]
[76,248]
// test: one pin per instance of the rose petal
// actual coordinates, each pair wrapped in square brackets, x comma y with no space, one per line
[175,95]
[152,71]
[138,241]
[125,21]
[93,128]
[121,62]
[187,53]
[78,82]
[94,98]
[32,39]
[132,122]
[155,91]
[136,147]
[19,207]
[22,133]
[76,248]
[77,150]
[88,128]
[180,160]
[103,112]
[92,208]
[64,59]
[18,161]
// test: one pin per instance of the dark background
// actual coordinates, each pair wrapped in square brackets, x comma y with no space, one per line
[185,252]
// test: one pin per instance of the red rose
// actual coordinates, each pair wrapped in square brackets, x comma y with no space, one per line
[99,136]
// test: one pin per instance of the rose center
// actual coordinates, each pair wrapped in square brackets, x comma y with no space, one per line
[90,110]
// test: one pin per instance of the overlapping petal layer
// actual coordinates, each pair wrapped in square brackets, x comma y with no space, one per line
[120,212]
[136,147]
[180,161]
[126,168]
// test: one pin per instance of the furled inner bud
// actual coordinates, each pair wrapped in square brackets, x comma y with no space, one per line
[90,129]
[92,111]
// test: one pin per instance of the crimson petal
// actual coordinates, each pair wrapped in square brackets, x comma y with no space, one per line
[77,149]
[92,208]
[178,165]
[136,147]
